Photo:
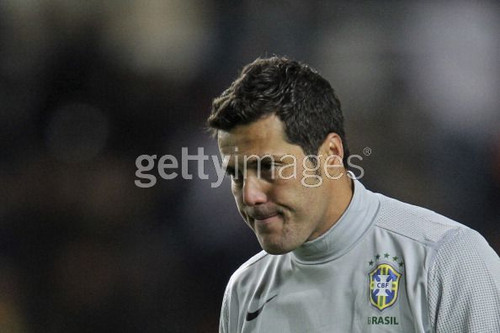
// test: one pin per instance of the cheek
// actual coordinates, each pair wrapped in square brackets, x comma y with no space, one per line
[288,196]
[300,200]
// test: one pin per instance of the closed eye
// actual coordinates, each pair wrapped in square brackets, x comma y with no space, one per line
[230,171]
[236,177]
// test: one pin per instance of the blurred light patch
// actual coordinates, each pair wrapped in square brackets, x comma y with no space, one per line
[455,46]
[76,132]
[157,36]
[351,57]
[24,38]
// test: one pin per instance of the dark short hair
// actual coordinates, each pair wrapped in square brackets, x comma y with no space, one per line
[299,96]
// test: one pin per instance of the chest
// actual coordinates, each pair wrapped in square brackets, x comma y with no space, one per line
[374,294]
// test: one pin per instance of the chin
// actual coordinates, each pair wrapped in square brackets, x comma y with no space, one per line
[276,249]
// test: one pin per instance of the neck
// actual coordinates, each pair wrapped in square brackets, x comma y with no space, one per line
[355,220]
[341,192]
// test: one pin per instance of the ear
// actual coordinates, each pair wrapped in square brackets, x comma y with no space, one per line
[333,149]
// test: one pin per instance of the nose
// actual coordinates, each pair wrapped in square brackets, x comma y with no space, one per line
[253,192]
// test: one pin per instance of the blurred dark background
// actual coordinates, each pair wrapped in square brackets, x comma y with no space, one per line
[88,86]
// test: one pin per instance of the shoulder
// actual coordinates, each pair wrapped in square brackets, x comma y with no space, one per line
[231,302]
[443,237]
[252,268]
[251,264]
[464,284]
[415,223]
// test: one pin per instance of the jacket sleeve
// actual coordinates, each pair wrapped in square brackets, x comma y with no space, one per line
[229,312]
[224,313]
[464,285]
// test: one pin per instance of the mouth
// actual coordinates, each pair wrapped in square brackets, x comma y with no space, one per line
[265,219]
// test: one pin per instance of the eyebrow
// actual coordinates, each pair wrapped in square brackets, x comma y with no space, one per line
[263,159]
[253,162]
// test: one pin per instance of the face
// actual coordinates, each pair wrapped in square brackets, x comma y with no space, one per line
[282,206]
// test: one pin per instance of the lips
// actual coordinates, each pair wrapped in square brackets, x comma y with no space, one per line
[263,217]
[267,219]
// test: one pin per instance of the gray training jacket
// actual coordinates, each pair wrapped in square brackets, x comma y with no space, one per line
[385,266]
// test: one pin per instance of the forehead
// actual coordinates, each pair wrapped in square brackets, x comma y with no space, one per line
[263,136]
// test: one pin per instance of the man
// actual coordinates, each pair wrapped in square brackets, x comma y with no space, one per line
[337,257]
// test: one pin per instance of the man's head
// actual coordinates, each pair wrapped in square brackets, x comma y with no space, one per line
[301,98]
[267,123]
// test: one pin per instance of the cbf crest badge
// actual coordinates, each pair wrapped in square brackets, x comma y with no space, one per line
[384,286]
